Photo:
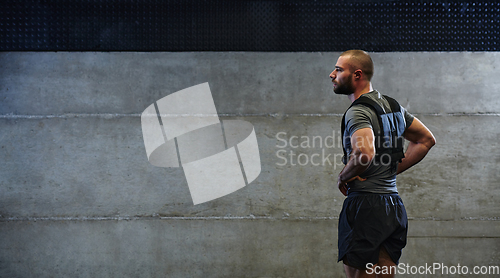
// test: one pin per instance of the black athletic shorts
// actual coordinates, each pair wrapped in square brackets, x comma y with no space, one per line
[368,221]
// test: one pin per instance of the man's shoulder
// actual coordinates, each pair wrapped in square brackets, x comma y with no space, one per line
[386,102]
[364,104]
[359,110]
[359,116]
[378,98]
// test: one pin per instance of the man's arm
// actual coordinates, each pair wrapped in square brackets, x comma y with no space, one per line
[363,152]
[421,141]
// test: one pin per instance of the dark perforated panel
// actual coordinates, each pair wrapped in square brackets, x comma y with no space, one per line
[149,25]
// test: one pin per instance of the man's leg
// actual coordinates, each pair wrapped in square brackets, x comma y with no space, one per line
[385,261]
[352,272]
[387,266]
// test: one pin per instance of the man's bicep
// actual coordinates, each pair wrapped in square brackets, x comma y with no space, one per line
[363,140]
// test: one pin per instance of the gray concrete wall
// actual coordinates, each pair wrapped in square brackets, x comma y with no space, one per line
[78,197]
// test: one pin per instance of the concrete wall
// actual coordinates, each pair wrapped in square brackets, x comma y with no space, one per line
[78,197]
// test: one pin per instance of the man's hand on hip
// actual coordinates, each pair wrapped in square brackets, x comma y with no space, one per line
[343,186]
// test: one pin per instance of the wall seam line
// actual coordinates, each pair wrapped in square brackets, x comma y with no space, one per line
[135,115]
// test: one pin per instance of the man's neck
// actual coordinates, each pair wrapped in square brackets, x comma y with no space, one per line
[366,89]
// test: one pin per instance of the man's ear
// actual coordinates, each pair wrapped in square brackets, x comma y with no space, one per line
[358,73]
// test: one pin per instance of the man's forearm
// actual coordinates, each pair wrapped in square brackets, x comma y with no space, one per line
[356,165]
[414,154]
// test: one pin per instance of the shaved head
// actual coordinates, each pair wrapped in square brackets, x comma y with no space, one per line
[359,59]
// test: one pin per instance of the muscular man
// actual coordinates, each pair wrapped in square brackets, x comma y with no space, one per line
[373,222]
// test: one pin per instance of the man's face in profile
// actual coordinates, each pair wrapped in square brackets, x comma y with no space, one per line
[342,77]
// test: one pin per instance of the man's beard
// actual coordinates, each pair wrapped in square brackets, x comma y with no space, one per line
[344,89]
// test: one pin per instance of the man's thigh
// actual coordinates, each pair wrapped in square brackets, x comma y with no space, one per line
[385,267]
[367,222]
